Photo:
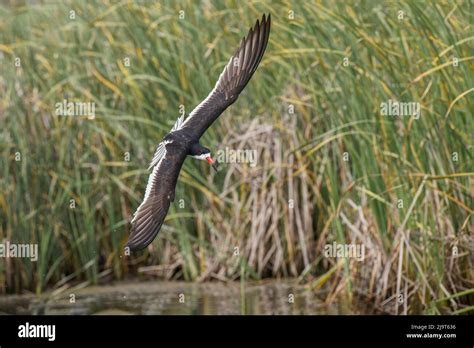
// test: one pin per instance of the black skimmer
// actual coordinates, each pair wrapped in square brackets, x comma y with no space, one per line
[183,140]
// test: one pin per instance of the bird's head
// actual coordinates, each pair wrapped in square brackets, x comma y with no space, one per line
[204,154]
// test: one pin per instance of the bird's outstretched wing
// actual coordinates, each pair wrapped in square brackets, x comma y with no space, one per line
[159,194]
[232,80]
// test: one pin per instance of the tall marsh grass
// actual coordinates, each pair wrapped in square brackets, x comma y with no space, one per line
[330,166]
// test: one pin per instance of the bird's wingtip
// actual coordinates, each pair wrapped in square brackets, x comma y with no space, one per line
[134,247]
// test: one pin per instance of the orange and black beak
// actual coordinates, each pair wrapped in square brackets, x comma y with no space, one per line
[211,162]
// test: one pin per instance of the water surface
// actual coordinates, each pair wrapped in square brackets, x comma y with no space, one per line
[175,298]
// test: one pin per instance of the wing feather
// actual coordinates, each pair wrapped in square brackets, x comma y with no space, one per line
[159,194]
[233,79]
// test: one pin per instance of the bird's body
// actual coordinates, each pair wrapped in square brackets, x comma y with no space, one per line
[183,139]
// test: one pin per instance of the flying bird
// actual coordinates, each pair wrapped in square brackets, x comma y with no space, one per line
[183,139]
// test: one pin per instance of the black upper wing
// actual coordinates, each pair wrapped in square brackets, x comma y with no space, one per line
[159,194]
[232,80]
